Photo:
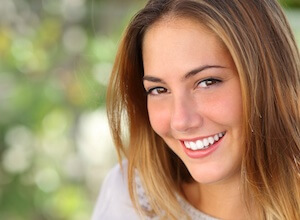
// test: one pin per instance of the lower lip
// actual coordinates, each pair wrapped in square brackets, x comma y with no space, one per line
[196,154]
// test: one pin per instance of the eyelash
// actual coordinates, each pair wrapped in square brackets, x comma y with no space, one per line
[157,89]
[161,90]
[208,82]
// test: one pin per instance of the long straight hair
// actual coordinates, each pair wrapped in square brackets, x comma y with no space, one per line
[260,41]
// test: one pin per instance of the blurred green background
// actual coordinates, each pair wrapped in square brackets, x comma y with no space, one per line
[55,60]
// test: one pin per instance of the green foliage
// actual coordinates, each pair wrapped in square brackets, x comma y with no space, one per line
[55,59]
[290,3]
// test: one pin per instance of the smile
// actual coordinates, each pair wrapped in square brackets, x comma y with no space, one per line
[203,143]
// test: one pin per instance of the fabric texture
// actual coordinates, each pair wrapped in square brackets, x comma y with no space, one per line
[114,202]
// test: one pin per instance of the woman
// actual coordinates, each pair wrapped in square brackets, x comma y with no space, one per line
[210,93]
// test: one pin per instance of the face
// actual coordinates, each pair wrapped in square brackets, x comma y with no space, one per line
[194,98]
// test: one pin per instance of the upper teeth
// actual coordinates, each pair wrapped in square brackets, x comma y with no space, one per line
[204,143]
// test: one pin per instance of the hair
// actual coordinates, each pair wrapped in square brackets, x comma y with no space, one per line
[260,41]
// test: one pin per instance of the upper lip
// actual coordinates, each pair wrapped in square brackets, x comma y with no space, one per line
[200,138]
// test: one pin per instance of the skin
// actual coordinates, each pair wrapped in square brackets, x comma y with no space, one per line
[194,92]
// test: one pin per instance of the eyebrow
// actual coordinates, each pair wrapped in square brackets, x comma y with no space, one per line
[187,75]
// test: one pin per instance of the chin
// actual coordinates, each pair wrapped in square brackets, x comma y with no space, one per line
[205,175]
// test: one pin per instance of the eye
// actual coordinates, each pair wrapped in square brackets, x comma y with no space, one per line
[157,91]
[208,82]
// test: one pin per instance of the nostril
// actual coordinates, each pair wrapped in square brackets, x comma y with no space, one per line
[180,119]
[184,113]
[179,125]
[183,121]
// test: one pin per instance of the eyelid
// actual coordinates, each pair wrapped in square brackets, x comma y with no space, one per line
[215,80]
[150,90]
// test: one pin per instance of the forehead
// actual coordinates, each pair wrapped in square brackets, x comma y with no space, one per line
[177,23]
[183,29]
[185,43]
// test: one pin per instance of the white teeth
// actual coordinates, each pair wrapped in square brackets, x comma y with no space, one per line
[216,137]
[204,143]
[199,144]
[187,145]
[193,145]
[211,140]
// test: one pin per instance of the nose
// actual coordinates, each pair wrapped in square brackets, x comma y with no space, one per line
[186,115]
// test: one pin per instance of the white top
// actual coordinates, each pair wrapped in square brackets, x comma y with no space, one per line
[114,202]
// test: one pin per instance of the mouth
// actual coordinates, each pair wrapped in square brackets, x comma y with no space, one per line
[204,143]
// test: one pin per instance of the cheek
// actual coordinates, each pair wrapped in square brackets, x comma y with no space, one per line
[225,108]
[159,117]
[232,111]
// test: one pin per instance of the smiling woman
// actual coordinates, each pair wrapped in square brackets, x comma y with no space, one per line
[195,96]
[210,90]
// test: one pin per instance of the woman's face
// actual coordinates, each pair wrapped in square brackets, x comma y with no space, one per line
[194,98]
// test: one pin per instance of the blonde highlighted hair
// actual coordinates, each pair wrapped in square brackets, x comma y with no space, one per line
[261,43]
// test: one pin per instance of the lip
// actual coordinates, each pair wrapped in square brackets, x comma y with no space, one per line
[197,154]
[200,138]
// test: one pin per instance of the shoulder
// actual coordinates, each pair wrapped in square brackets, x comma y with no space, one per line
[114,202]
